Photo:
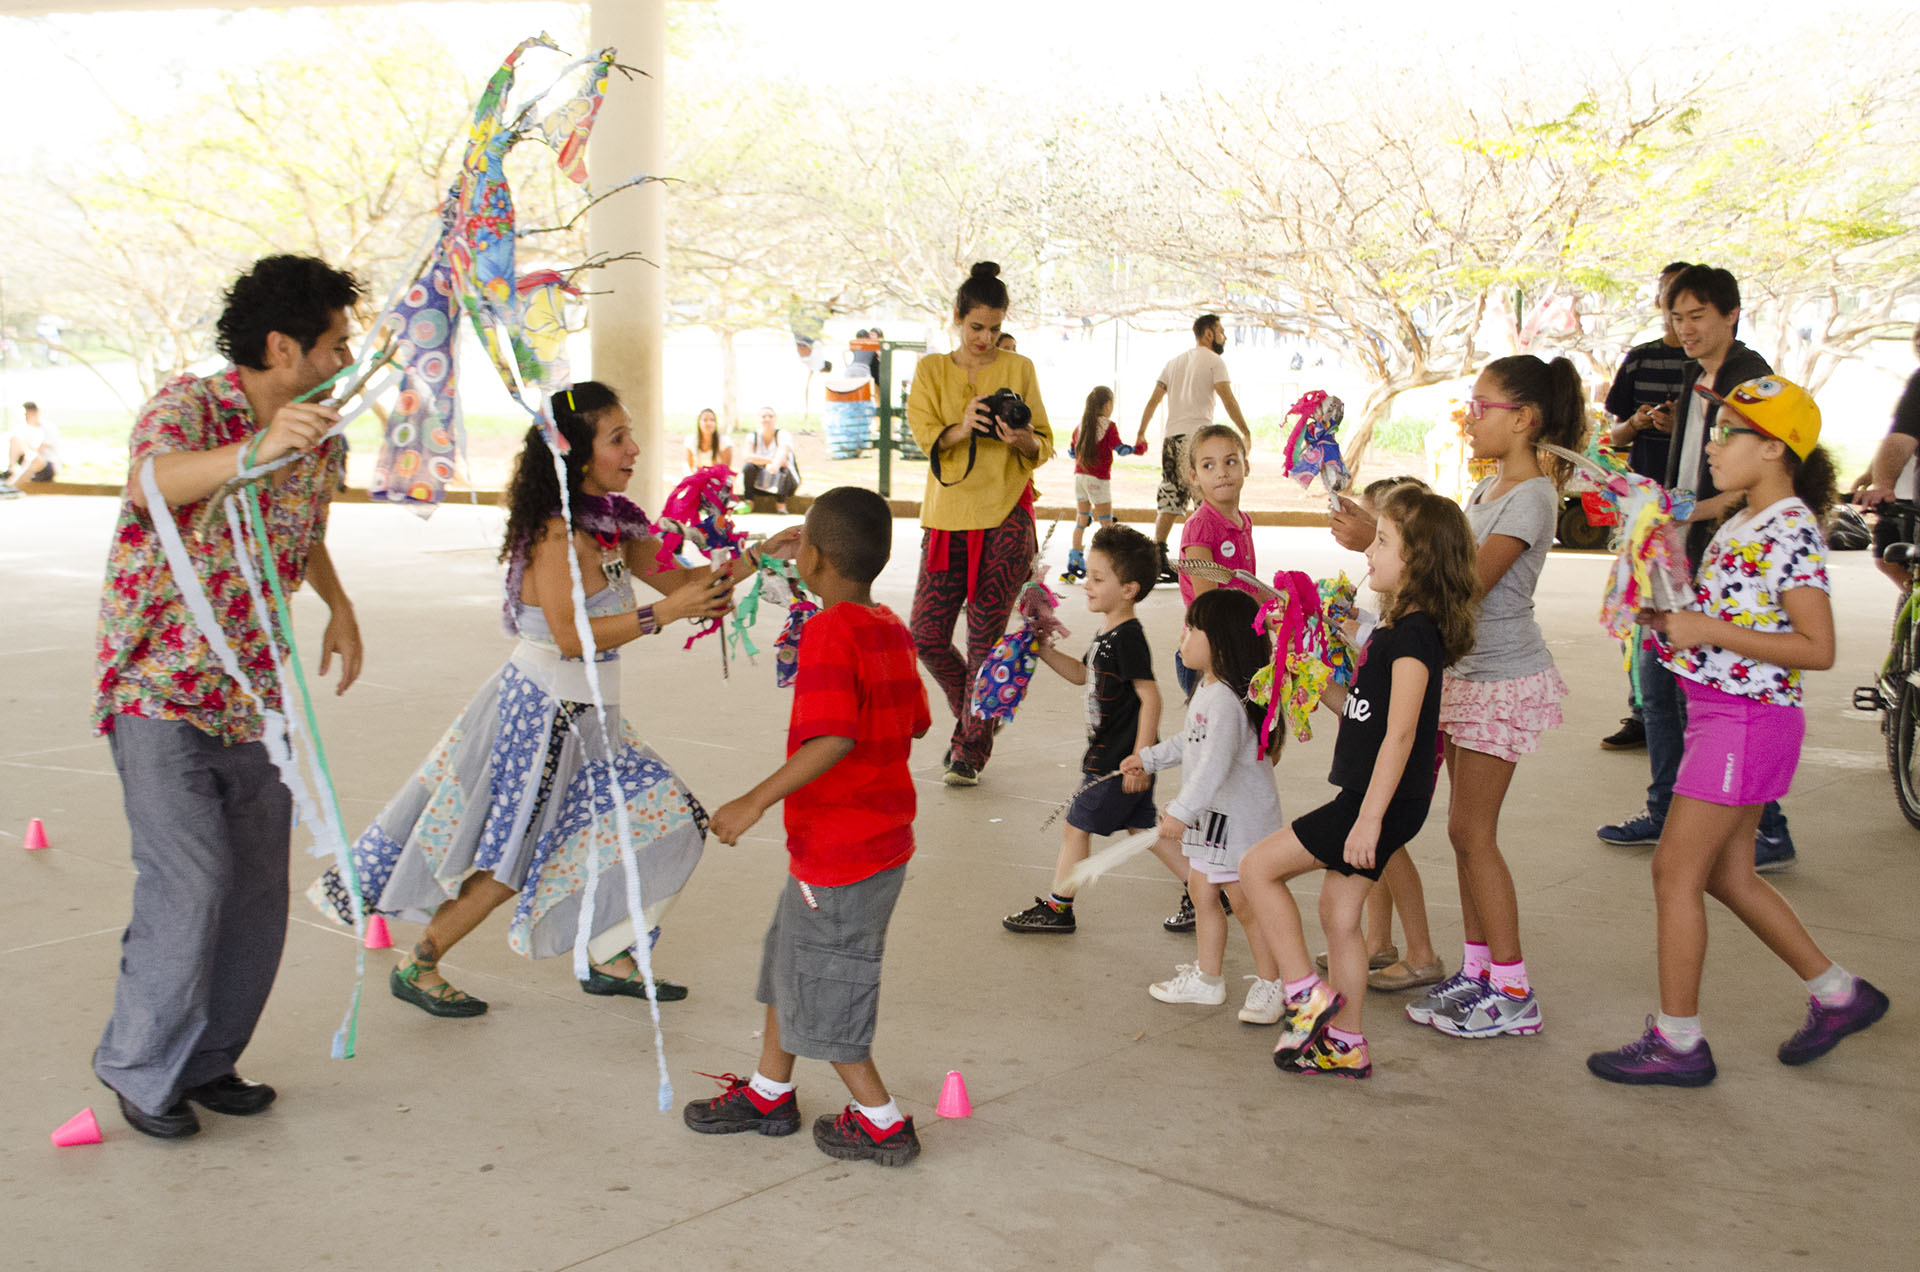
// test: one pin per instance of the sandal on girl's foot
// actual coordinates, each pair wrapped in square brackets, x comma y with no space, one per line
[1382,958]
[439,1000]
[1404,975]
[630,986]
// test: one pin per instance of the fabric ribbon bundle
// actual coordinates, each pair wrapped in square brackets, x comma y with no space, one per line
[1338,606]
[778,581]
[786,650]
[1002,681]
[1312,450]
[1302,656]
[1650,571]
[699,513]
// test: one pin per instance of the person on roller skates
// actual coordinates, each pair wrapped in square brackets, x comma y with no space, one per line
[1095,442]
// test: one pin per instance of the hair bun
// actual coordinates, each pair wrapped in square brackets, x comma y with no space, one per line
[984,269]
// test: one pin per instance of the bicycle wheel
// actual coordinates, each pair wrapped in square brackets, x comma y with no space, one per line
[1903,728]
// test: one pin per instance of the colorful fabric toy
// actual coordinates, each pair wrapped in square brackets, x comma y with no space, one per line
[1302,658]
[699,513]
[777,581]
[470,267]
[1338,606]
[1002,681]
[786,650]
[1312,450]
[1650,571]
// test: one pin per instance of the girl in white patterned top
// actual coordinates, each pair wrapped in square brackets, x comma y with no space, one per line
[1760,616]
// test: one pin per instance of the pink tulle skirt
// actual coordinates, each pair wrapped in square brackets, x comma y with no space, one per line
[1501,718]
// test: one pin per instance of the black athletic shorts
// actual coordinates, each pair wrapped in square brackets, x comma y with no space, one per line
[1323,832]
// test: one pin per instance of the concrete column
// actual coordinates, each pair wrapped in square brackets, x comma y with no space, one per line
[627,324]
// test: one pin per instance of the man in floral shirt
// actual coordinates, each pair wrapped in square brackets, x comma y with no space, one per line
[211,822]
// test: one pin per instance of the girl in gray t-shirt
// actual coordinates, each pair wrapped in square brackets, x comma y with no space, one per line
[1497,701]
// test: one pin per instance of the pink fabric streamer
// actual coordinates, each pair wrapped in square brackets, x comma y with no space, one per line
[1300,641]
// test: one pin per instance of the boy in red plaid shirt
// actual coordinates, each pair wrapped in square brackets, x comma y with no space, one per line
[858,704]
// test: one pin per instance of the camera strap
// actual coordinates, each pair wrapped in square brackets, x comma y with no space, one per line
[933,460]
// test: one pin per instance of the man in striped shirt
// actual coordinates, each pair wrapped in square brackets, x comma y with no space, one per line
[1641,399]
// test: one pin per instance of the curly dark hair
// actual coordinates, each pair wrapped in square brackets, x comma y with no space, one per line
[1815,479]
[1225,617]
[532,495]
[294,295]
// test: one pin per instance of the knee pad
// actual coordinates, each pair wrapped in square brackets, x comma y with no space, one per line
[1107,520]
[1083,520]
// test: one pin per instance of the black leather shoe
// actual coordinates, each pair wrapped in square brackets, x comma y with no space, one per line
[233,1095]
[598,982]
[177,1122]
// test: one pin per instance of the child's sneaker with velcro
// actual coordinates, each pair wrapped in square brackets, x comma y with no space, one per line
[850,1137]
[1490,1013]
[1330,1057]
[1308,1014]
[741,1108]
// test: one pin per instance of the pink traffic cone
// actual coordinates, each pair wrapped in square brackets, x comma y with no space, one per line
[36,834]
[377,937]
[954,1101]
[82,1128]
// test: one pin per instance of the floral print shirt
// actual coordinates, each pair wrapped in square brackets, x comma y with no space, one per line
[1745,574]
[152,659]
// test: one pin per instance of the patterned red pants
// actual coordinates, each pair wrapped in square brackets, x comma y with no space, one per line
[1006,563]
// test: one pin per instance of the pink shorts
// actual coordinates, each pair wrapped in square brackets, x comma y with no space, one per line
[1501,718]
[1739,751]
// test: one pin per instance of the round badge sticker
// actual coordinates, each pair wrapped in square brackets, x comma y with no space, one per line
[1227,549]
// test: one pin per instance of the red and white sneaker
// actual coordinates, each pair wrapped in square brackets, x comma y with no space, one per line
[851,1137]
[741,1108]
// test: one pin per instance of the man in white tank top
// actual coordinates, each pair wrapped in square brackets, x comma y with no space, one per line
[1189,383]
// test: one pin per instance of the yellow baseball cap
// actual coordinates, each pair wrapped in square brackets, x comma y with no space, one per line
[1779,408]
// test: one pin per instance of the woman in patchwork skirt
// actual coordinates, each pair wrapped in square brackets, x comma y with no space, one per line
[517,799]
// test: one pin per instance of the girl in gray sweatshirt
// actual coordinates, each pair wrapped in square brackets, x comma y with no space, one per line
[1227,801]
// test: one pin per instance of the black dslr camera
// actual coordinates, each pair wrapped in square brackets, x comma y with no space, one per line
[1009,408]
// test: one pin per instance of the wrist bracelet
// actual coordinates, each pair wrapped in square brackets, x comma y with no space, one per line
[649,624]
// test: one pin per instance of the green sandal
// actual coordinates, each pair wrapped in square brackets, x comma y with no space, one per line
[630,986]
[441,1000]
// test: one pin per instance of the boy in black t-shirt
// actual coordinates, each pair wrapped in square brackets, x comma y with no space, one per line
[1123,716]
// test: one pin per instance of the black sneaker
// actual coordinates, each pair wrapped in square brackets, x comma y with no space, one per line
[1180,920]
[851,1138]
[1042,916]
[1167,573]
[1630,736]
[961,773]
[740,1108]
[1770,856]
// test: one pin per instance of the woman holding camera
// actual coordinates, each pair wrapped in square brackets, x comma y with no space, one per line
[977,414]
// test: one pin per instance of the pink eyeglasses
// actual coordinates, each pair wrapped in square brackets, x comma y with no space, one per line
[1478,409]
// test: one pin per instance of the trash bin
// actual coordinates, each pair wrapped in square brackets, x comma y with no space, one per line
[849,416]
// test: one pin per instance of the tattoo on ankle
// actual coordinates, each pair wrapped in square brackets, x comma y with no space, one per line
[425,952]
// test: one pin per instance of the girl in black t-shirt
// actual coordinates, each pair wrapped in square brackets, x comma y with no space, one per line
[1422,561]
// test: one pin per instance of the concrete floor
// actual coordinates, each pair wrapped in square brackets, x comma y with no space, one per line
[1109,1131]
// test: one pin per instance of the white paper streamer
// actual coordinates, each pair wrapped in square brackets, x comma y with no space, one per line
[623,824]
[280,741]
[1113,855]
